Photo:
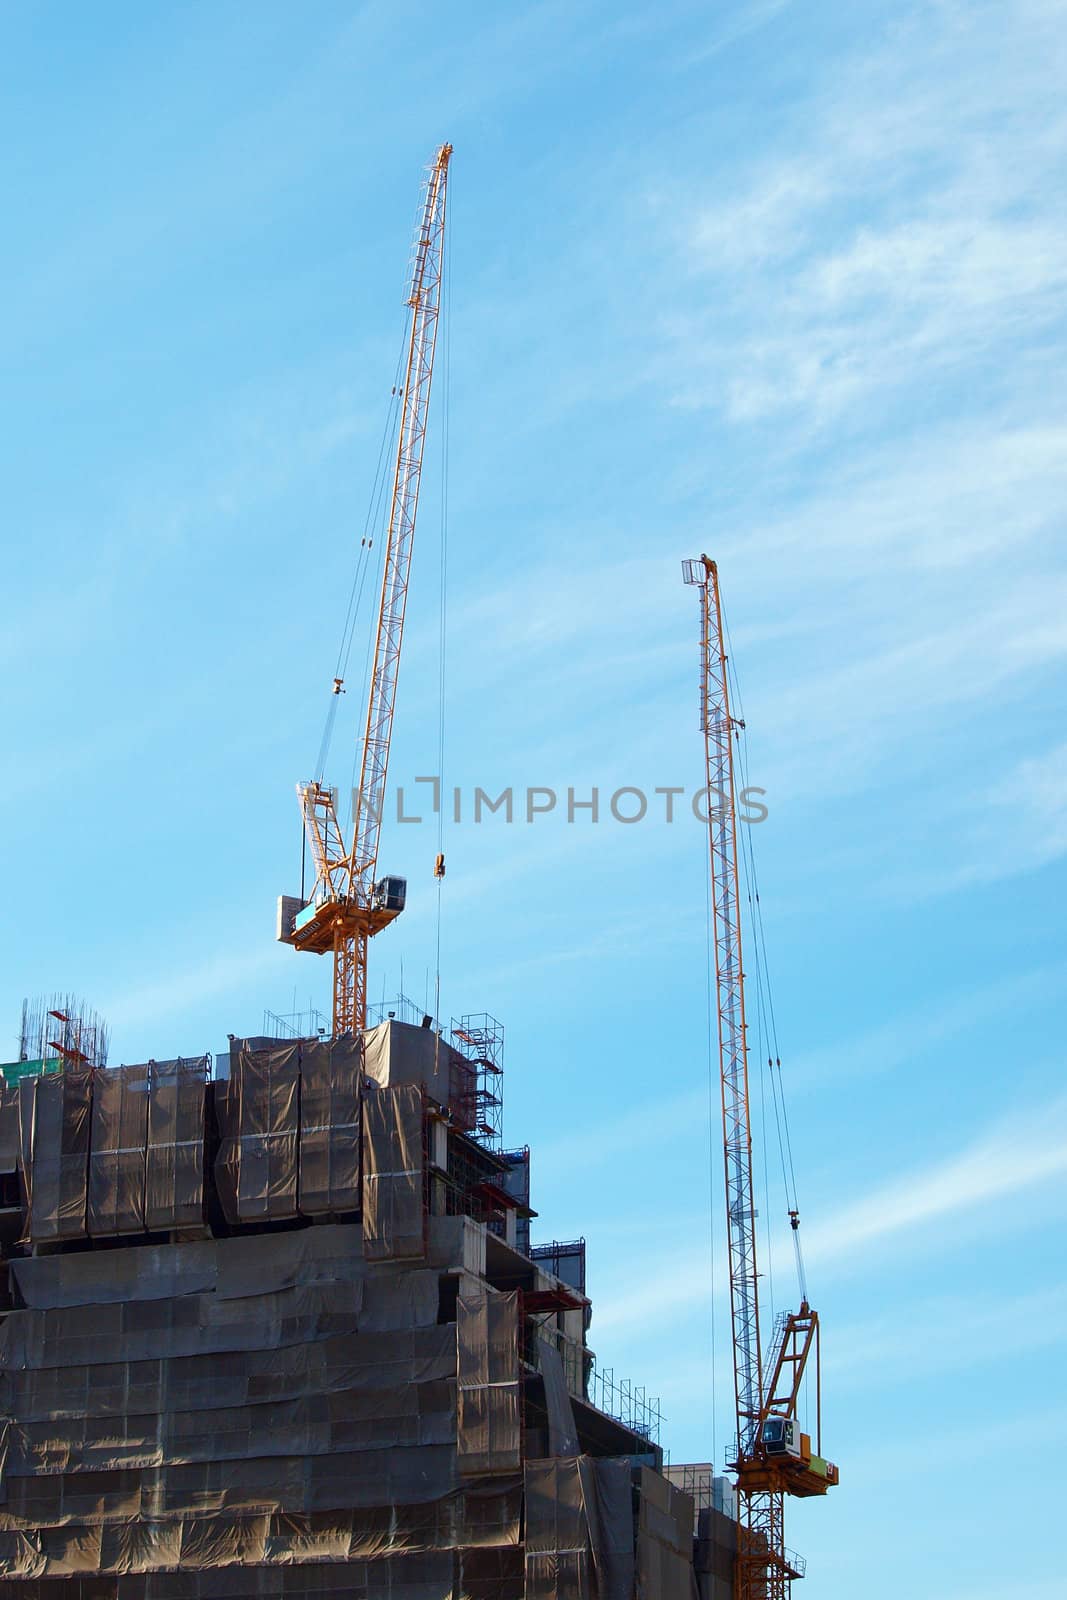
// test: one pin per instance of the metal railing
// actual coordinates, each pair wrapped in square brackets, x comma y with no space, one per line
[626,1401]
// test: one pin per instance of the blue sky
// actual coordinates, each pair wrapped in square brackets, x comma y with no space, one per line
[779,282]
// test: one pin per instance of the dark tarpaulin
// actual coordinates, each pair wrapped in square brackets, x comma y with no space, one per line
[353,1418]
[562,1433]
[371,1361]
[278,1538]
[394,1175]
[489,1437]
[174,1176]
[9,1127]
[330,1074]
[248,1264]
[117,1155]
[558,1558]
[196,1324]
[664,1541]
[580,1529]
[424,1576]
[607,1495]
[342,1479]
[716,1554]
[258,1118]
[493,1574]
[54,1116]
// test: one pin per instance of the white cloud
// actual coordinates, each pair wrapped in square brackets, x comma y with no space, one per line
[1012,1156]
[190,988]
[928,1340]
[910,229]
[1015,825]
[905,1039]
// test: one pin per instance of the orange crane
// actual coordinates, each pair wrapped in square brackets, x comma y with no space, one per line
[348,903]
[774,1458]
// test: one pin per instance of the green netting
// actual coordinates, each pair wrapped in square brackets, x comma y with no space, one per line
[12,1071]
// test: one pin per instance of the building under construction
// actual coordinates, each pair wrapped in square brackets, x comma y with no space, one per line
[283,1333]
[273,1325]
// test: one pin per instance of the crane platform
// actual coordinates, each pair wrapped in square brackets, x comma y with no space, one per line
[318,926]
[787,1475]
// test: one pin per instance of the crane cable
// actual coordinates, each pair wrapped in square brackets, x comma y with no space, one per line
[371,523]
[766,1018]
[713,1174]
[439,864]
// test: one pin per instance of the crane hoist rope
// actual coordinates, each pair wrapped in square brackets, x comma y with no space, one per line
[372,524]
[773,1458]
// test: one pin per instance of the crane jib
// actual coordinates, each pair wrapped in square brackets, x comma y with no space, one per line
[347,906]
[773,1458]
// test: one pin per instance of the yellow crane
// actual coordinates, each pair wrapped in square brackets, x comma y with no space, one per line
[774,1458]
[348,902]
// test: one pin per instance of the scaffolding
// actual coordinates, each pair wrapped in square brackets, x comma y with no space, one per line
[626,1401]
[565,1259]
[480,1038]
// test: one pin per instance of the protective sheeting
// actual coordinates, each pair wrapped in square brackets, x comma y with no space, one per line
[329,1179]
[250,1264]
[495,1574]
[608,1499]
[398,1053]
[119,1139]
[258,1119]
[109,1389]
[394,1175]
[716,1554]
[579,1529]
[287,1409]
[192,1325]
[487,1375]
[220,1574]
[664,1541]
[277,1538]
[355,1479]
[9,1128]
[558,1553]
[54,1117]
[562,1433]
[174,1164]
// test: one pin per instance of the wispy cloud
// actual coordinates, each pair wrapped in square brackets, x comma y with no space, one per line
[907,1039]
[1015,825]
[1010,1157]
[929,1340]
[185,990]
[896,239]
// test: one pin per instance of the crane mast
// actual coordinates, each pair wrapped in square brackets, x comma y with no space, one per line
[347,906]
[773,1458]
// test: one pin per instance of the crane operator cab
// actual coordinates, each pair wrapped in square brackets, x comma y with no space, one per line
[389,894]
[781,1436]
[807,1473]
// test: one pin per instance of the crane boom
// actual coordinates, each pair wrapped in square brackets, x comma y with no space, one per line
[425,302]
[773,1458]
[347,906]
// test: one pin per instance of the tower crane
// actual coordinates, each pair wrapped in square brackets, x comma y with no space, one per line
[348,904]
[774,1458]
